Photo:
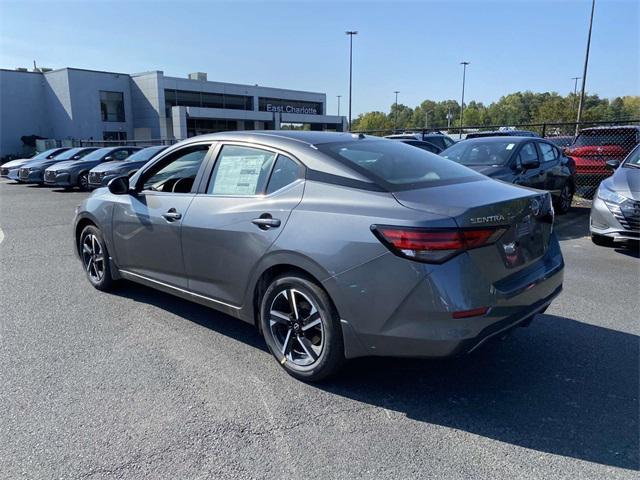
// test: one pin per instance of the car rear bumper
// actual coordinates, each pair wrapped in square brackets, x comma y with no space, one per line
[617,226]
[421,323]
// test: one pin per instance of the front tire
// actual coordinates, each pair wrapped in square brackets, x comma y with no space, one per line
[302,328]
[95,258]
[83,182]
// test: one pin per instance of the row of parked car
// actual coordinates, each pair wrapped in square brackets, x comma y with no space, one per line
[83,167]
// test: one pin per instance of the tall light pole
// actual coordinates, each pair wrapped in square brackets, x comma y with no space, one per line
[575,92]
[351,33]
[464,76]
[339,97]
[584,72]
[395,121]
[426,119]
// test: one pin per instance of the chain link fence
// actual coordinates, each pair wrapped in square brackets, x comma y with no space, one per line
[590,144]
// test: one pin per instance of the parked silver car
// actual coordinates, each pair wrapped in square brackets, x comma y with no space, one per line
[334,245]
[615,211]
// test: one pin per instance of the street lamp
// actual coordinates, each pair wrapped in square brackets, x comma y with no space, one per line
[584,72]
[464,74]
[339,97]
[395,121]
[351,33]
[426,118]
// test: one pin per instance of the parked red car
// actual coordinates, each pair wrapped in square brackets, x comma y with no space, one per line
[593,147]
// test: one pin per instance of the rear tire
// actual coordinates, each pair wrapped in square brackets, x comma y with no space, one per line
[302,328]
[563,203]
[95,258]
[601,240]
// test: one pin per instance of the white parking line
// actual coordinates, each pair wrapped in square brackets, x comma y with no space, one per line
[1,235]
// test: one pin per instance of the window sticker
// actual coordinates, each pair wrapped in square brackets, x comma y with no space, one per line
[510,146]
[238,175]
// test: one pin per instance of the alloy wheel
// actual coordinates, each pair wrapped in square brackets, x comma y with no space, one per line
[296,327]
[566,198]
[93,257]
[84,182]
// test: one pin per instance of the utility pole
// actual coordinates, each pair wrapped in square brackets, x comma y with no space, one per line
[339,96]
[464,75]
[426,119]
[351,33]
[584,72]
[395,121]
[575,92]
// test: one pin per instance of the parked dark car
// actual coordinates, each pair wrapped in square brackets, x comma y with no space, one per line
[594,147]
[334,245]
[502,133]
[438,139]
[100,175]
[527,161]
[33,171]
[428,146]
[75,173]
[10,169]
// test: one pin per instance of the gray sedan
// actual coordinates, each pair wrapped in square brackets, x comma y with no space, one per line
[75,173]
[334,245]
[615,212]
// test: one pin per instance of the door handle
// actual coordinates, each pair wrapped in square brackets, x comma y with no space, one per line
[171,215]
[265,221]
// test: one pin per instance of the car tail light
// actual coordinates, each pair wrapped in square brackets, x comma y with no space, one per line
[434,245]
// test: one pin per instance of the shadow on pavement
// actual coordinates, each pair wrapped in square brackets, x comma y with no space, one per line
[560,386]
[573,224]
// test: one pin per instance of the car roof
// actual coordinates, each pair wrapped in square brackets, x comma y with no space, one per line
[284,136]
[611,127]
[504,138]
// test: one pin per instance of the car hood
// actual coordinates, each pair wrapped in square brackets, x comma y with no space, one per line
[35,163]
[63,165]
[597,150]
[626,182]
[16,163]
[108,166]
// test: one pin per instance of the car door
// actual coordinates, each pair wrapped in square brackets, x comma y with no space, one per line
[147,223]
[551,163]
[237,217]
[529,176]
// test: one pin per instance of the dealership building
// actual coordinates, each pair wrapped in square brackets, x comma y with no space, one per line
[76,104]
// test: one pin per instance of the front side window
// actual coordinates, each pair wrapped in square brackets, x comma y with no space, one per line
[177,172]
[97,154]
[120,154]
[549,153]
[112,106]
[397,166]
[241,171]
[528,152]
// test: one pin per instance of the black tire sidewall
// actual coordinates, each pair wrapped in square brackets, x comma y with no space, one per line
[332,355]
[106,282]
[86,185]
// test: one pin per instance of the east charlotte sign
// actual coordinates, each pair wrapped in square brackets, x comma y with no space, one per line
[270,107]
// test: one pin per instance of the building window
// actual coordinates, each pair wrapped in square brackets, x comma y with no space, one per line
[112,106]
[117,136]
[289,106]
[187,98]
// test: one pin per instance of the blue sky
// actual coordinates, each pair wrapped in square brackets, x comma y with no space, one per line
[414,47]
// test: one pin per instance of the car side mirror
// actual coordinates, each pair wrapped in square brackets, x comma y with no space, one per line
[530,163]
[613,164]
[108,158]
[119,185]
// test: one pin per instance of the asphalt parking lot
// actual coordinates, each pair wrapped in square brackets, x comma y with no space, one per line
[140,384]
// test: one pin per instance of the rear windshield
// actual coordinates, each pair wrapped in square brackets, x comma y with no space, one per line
[479,152]
[626,138]
[396,165]
[144,154]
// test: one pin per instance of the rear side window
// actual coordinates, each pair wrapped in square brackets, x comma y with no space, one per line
[397,166]
[285,171]
[241,171]
[528,152]
[549,153]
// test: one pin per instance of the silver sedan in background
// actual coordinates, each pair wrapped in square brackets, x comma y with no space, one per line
[615,211]
[334,245]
